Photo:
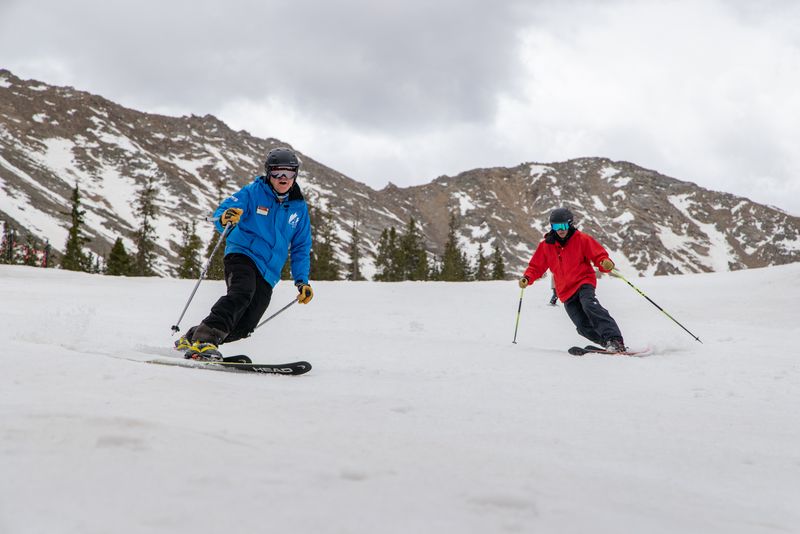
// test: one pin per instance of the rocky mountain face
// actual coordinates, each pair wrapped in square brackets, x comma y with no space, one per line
[52,138]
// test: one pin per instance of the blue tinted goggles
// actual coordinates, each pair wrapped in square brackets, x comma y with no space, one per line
[559,226]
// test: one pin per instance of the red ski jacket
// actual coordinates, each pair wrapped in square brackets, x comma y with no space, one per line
[570,264]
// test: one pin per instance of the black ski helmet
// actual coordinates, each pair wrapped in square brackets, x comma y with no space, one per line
[281,157]
[561,215]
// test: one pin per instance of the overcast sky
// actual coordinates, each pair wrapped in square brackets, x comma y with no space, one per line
[702,90]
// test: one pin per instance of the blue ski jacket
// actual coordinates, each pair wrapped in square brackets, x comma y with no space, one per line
[268,229]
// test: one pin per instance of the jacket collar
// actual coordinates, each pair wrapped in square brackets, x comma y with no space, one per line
[552,238]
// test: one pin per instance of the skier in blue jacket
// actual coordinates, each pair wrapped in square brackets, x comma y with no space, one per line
[270,219]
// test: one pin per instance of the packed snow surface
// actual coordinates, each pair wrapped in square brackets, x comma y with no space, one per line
[419,416]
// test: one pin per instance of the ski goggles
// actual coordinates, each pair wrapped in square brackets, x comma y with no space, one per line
[560,226]
[289,174]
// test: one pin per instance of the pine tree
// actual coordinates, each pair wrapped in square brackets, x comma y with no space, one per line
[7,245]
[189,253]
[354,253]
[414,259]
[387,258]
[468,273]
[382,256]
[286,272]
[454,264]
[324,265]
[146,208]
[482,265]
[398,258]
[498,266]
[216,268]
[119,261]
[74,258]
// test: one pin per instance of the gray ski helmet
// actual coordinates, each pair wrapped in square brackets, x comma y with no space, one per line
[281,157]
[561,215]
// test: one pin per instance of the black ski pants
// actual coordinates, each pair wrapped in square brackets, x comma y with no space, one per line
[237,313]
[590,318]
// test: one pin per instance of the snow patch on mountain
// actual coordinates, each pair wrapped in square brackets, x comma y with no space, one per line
[538,170]
[622,182]
[27,178]
[465,202]
[598,204]
[718,249]
[190,166]
[117,140]
[609,172]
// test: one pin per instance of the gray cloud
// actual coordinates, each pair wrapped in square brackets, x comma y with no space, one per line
[373,64]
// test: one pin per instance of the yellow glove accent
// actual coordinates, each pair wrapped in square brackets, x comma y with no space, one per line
[231,215]
[523,282]
[607,264]
[306,293]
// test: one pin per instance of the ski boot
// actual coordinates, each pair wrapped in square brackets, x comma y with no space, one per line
[207,352]
[615,344]
[183,344]
[205,340]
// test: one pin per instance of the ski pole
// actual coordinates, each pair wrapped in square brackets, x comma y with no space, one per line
[619,275]
[519,310]
[175,327]
[294,301]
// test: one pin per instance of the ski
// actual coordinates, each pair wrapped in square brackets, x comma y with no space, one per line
[240,363]
[292,368]
[591,349]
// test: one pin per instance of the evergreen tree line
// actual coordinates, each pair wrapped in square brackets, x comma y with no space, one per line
[404,257]
[400,256]
[119,261]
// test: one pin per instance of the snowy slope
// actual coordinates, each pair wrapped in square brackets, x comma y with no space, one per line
[419,414]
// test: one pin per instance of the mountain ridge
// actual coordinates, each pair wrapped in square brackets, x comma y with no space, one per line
[53,137]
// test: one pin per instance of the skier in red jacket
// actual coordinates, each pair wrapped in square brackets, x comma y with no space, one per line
[570,254]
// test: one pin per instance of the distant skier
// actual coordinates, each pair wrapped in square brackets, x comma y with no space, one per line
[270,219]
[569,254]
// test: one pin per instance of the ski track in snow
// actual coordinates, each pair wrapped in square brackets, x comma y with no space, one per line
[419,415]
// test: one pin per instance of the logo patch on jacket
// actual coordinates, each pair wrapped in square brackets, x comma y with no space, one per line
[261,210]
[294,218]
